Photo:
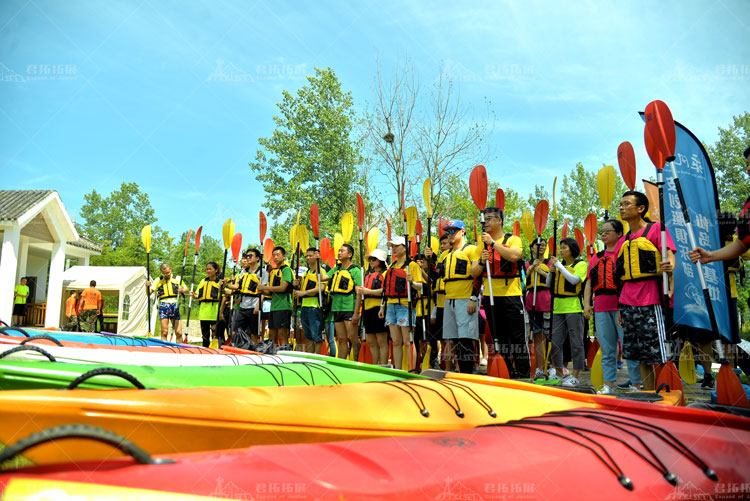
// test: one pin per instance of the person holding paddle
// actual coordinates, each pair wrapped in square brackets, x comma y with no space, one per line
[437,272]
[504,252]
[372,292]
[167,288]
[639,266]
[280,287]
[343,279]
[539,306]
[245,321]
[209,295]
[311,315]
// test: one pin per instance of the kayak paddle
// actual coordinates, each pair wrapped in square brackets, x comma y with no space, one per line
[146,238]
[182,275]
[605,182]
[192,281]
[626,161]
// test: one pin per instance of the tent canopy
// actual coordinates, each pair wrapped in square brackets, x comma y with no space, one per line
[127,282]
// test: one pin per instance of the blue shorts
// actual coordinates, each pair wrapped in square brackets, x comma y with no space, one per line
[398,314]
[169,310]
[312,323]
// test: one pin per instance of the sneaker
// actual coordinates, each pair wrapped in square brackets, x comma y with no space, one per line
[552,373]
[606,390]
[633,388]
[708,382]
[570,381]
[483,361]
[539,374]
[625,385]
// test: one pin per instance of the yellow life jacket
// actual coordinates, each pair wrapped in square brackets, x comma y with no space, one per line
[167,288]
[440,282]
[309,280]
[638,258]
[457,265]
[541,281]
[249,283]
[563,288]
[209,291]
[277,276]
[342,281]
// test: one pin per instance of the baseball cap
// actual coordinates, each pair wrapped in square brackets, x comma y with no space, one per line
[379,254]
[454,224]
[397,240]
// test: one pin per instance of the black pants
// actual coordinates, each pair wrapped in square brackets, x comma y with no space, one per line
[510,331]
[466,355]
[426,334]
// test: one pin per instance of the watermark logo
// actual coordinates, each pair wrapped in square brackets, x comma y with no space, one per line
[457,491]
[230,72]
[688,491]
[230,490]
[8,75]
[39,72]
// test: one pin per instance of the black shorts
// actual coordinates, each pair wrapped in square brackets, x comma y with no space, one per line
[373,323]
[245,319]
[19,310]
[280,319]
[342,316]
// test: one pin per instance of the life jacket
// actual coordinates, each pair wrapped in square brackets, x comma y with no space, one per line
[541,282]
[440,282]
[342,281]
[457,266]
[309,281]
[638,258]
[277,277]
[394,283]
[209,291]
[603,275]
[502,268]
[374,280]
[167,288]
[563,288]
[249,283]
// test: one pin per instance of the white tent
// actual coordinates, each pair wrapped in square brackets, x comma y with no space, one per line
[127,282]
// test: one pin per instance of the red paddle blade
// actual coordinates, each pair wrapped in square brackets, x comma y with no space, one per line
[626,161]
[564,233]
[388,224]
[497,367]
[671,377]
[413,247]
[418,230]
[654,153]
[441,231]
[729,390]
[187,240]
[579,238]
[476,235]
[236,246]
[591,355]
[551,247]
[589,227]
[478,186]
[331,261]
[541,213]
[325,246]
[263,225]
[268,250]
[500,199]
[660,124]
[360,212]
[315,220]
[516,228]
[198,238]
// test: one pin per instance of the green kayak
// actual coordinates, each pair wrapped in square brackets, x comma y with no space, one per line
[26,375]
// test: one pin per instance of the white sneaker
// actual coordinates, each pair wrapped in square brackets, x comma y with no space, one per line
[539,374]
[552,373]
[606,390]
[570,381]
[483,361]
[633,388]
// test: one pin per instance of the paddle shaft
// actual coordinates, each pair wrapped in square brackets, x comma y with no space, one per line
[294,299]
[320,289]
[408,285]
[192,285]
[148,290]
[221,287]
[182,275]
[664,275]
[361,327]
[552,294]
[260,296]
[493,329]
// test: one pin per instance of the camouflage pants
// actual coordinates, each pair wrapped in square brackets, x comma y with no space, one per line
[72,324]
[644,334]
[88,320]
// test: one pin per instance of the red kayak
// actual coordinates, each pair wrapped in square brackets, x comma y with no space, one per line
[638,451]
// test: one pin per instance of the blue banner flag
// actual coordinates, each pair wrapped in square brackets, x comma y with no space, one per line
[698,184]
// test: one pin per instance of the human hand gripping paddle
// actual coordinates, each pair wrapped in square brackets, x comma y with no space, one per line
[182,274]
[146,238]
[192,280]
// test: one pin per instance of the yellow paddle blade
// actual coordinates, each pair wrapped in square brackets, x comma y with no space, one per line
[426,359]
[546,252]
[426,189]
[597,378]
[527,225]
[293,238]
[338,241]
[227,232]
[435,245]
[146,237]
[687,364]
[372,239]
[347,226]
[554,202]
[303,238]
[214,344]
[298,213]
[405,357]
[605,181]
[411,220]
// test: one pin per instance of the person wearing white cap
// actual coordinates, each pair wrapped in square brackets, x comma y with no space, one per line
[460,321]
[372,293]
[396,309]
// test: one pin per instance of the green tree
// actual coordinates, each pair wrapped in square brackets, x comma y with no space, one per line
[311,157]
[729,164]
[116,221]
[579,196]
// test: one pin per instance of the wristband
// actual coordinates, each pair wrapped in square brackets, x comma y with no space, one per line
[473,298]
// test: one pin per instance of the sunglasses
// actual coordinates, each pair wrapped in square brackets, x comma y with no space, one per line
[372,259]
[451,231]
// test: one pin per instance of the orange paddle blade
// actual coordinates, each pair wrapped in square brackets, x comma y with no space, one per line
[263,225]
[315,220]
[187,241]
[497,367]
[660,125]
[579,238]
[591,354]
[418,230]
[500,199]
[365,355]
[517,228]
[413,248]
[541,214]
[198,238]
[268,250]
[236,246]
[478,186]
[325,246]
[564,233]
[626,161]
[441,231]
[669,375]
[652,193]
[729,390]
[589,228]
[360,212]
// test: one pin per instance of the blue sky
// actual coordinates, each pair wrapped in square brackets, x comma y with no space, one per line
[96,93]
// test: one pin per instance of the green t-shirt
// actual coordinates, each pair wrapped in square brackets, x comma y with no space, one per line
[345,302]
[208,311]
[282,300]
[572,304]
[21,289]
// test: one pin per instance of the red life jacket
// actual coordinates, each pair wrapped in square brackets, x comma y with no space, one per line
[502,268]
[394,284]
[603,275]
[374,280]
